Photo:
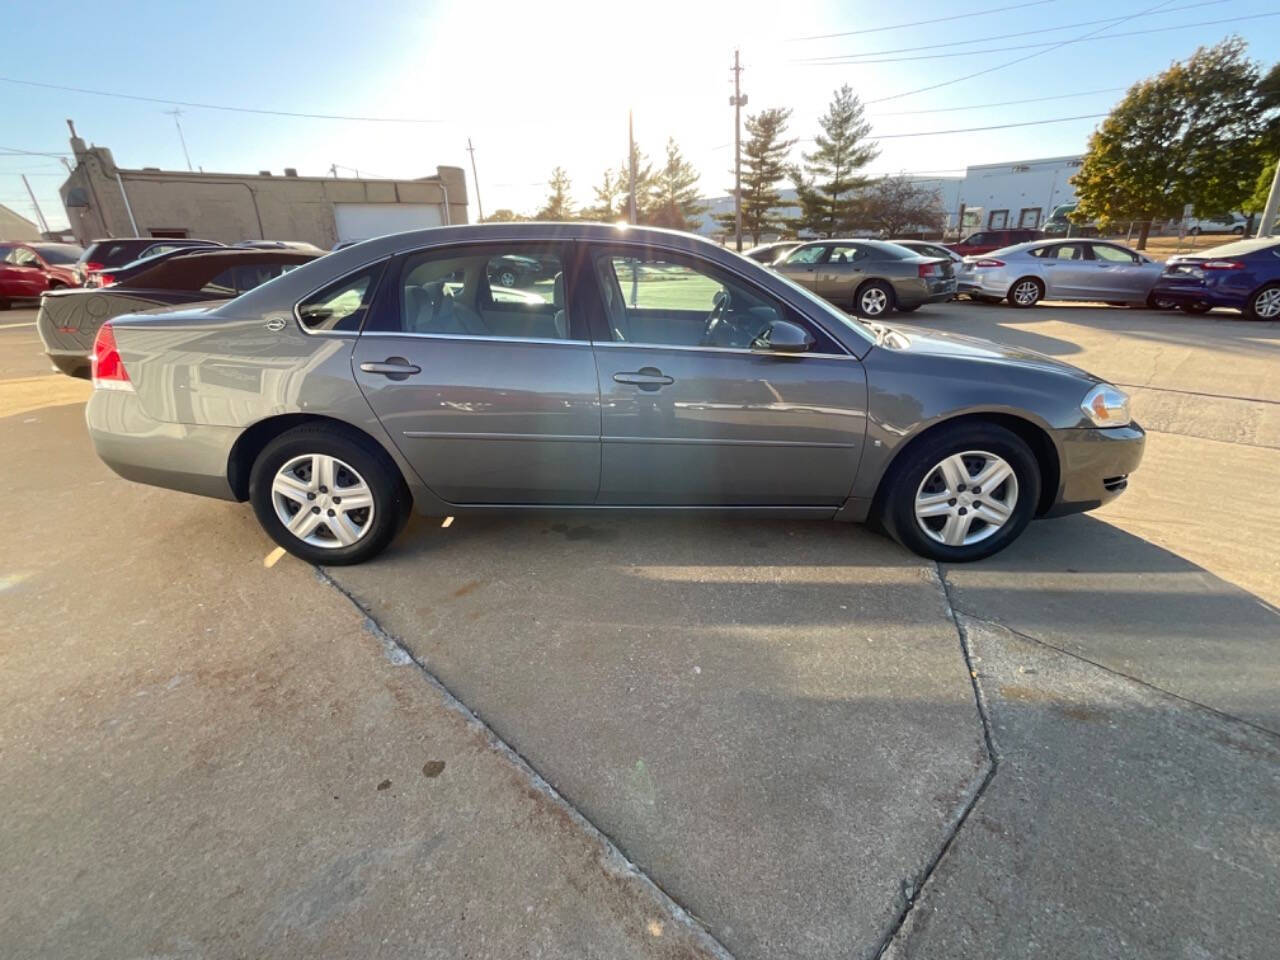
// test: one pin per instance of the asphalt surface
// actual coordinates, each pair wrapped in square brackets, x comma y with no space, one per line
[671,736]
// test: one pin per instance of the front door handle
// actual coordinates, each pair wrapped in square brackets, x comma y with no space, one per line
[393,368]
[646,378]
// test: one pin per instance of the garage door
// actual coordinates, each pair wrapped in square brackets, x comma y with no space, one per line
[363,221]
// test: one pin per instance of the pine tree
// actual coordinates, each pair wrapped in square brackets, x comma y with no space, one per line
[672,197]
[764,165]
[827,186]
[559,205]
[611,200]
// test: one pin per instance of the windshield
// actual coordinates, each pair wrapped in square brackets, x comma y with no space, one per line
[58,252]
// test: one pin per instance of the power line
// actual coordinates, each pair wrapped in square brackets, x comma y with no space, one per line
[999,103]
[215,106]
[34,153]
[917,23]
[998,126]
[1009,63]
[1054,44]
[998,36]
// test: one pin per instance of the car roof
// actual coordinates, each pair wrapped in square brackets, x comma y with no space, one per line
[1237,248]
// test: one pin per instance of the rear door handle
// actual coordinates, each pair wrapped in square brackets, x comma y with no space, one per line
[646,378]
[393,368]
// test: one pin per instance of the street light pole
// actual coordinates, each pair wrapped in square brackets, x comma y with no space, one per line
[475,178]
[631,166]
[44,224]
[737,101]
[1272,208]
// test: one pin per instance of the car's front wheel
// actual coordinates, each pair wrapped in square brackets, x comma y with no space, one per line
[962,494]
[328,495]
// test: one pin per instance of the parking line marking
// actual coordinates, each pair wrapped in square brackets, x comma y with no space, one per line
[448,521]
[273,557]
[15,326]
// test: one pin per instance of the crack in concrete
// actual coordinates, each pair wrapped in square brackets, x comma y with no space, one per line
[1117,673]
[913,889]
[614,861]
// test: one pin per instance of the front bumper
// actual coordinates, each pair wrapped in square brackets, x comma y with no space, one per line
[1095,466]
[179,456]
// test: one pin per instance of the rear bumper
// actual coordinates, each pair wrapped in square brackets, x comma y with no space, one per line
[1095,466]
[916,291]
[1192,293]
[179,456]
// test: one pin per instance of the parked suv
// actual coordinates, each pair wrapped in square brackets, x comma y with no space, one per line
[117,251]
[27,270]
[984,241]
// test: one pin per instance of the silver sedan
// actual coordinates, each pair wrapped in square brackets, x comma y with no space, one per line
[1026,273]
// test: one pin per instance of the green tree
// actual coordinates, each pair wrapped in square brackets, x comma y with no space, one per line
[827,185]
[764,165]
[1192,134]
[645,177]
[559,205]
[503,216]
[611,200]
[672,197]
[890,205]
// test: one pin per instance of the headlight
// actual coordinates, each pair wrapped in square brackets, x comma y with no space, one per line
[1106,406]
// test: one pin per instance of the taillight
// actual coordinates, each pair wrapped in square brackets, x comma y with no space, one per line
[929,269]
[106,279]
[1222,265]
[107,367]
[93,265]
[988,262]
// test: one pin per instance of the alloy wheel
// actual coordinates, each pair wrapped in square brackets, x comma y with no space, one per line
[507,279]
[966,498]
[873,302]
[322,501]
[1267,304]
[1026,293]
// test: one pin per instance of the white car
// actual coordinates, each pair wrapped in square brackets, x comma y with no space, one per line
[1231,223]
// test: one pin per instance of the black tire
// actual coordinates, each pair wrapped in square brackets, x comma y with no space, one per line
[1024,305]
[1159,303]
[868,292]
[1194,308]
[4,304]
[507,278]
[1194,231]
[1251,309]
[391,498]
[910,470]
[1238,231]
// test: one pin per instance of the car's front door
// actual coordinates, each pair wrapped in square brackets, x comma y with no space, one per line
[1122,274]
[691,414]
[22,274]
[1068,272]
[489,392]
[841,272]
[801,265]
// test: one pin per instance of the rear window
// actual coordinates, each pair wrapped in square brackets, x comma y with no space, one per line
[341,306]
[60,253]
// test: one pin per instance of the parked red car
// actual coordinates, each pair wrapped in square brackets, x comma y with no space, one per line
[29,269]
[984,241]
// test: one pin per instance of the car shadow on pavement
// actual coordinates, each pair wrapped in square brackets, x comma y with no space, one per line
[1087,587]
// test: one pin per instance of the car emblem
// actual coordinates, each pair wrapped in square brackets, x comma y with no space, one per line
[275,324]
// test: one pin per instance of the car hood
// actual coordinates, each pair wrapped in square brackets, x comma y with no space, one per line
[922,341]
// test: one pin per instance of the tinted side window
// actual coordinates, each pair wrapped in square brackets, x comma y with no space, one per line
[341,306]
[845,253]
[807,254]
[1113,254]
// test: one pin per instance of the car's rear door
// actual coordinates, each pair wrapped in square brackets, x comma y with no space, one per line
[801,265]
[843,268]
[1069,272]
[489,393]
[703,419]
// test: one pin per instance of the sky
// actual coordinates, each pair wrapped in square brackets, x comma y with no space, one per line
[536,85]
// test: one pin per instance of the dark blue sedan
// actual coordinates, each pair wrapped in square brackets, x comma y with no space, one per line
[1244,275]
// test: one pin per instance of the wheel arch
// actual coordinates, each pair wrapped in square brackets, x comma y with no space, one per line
[254,439]
[1034,435]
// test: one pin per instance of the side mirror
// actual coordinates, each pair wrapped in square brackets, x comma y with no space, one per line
[783,336]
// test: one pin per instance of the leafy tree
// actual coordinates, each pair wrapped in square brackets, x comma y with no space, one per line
[828,184]
[764,164]
[1192,134]
[559,206]
[1257,203]
[891,204]
[504,216]
[672,197]
[645,178]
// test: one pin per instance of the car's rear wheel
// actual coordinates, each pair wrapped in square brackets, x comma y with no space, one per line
[507,277]
[328,495]
[1026,292]
[962,494]
[1159,303]
[873,300]
[1265,304]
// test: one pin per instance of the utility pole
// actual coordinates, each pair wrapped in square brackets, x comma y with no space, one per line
[631,165]
[333,170]
[475,178]
[176,113]
[44,224]
[737,101]
[1272,208]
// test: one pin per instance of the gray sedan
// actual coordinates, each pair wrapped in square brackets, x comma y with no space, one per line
[650,370]
[870,277]
[1095,270]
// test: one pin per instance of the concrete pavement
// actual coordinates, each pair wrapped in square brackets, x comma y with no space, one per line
[779,724]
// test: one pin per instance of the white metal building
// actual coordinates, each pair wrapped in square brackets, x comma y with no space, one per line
[1018,194]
